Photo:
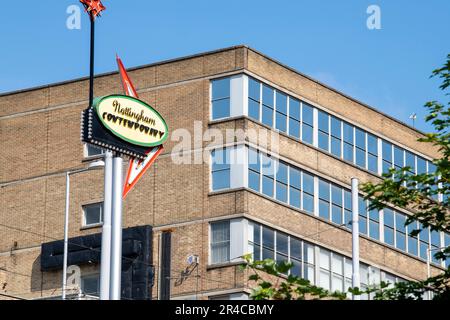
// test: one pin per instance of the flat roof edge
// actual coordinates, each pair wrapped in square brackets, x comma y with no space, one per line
[210,53]
[109,73]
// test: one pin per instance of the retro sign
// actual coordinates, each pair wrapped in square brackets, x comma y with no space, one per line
[131,120]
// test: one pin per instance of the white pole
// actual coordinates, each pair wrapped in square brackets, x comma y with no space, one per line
[116,239]
[429,269]
[355,236]
[105,264]
[66,237]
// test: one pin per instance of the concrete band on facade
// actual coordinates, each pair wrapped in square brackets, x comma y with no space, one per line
[41,140]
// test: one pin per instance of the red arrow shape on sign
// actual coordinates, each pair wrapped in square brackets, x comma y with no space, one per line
[136,168]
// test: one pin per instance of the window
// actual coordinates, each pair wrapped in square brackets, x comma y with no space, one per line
[268,168]
[348,142]
[324,199]
[268,244]
[92,151]
[387,156]
[413,242]
[267,107]
[220,166]
[347,208]
[400,231]
[336,140]
[324,264]
[421,165]
[294,118]
[90,284]
[282,182]
[256,242]
[435,238]
[372,154]
[307,123]
[309,262]
[281,112]
[308,192]
[334,270]
[294,187]
[374,223]
[388,216]
[410,161]
[323,131]
[337,272]
[254,98]
[220,98]
[282,248]
[254,170]
[337,204]
[296,256]
[92,214]
[363,215]
[360,143]
[398,158]
[424,240]
[220,242]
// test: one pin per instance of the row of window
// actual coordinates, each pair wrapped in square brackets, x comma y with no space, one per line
[320,266]
[303,190]
[296,119]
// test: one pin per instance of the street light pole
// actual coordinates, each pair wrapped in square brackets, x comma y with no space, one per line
[116,229]
[355,236]
[66,236]
[92,165]
[105,263]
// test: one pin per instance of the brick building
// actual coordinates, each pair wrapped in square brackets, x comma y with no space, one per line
[289,201]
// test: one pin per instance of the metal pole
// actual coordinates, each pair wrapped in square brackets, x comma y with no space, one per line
[355,236]
[91,72]
[106,229]
[429,270]
[116,239]
[66,237]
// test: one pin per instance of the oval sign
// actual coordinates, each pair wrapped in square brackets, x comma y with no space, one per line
[132,120]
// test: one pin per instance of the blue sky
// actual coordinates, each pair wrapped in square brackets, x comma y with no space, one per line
[388,69]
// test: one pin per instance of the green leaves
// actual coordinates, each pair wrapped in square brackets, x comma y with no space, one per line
[419,193]
[290,287]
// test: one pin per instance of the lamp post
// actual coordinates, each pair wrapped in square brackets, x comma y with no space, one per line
[355,236]
[429,250]
[93,165]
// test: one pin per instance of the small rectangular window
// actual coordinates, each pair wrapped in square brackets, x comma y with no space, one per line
[348,133]
[254,89]
[220,242]
[268,243]
[308,192]
[254,170]
[281,112]
[421,165]
[90,284]
[92,151]
[253,109]
[294,108]
[220,98]
[398,157]
[220,169]
[307,123]
[92,214]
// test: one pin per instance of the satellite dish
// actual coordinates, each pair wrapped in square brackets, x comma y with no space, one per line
[192,259]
